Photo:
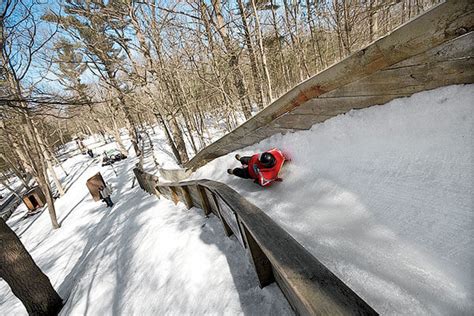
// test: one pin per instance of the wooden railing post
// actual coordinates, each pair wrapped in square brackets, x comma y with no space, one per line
[204,201]
[174,195]
[187,197]
[228,232]
[261,264]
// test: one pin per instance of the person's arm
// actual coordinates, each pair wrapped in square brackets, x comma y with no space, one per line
[260,178]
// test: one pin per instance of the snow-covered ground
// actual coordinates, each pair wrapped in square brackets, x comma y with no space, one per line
[144,256]
[383,197]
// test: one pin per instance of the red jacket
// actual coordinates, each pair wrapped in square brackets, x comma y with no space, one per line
[265,176]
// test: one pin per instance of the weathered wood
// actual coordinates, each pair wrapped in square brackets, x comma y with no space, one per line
[259,260]
[94,183]
[139,176]
[195,195]
[34,198]
[204,201]
[212,202]
[309,285]
[174,195]
[230,218]
[186,196]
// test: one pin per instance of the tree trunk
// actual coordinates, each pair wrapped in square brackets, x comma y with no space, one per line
[282,62]
[233,60]
[118,139]
[24,277]
[263,56]
[160,119]
[253,63]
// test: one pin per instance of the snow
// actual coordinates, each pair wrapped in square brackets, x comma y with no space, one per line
[383,197]
[144,256]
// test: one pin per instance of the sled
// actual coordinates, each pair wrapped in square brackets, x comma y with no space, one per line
[268,176]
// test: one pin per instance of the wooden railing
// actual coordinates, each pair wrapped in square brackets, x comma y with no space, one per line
[308,285]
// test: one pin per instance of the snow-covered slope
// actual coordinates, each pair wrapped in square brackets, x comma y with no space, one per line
[384,197]
[142,257]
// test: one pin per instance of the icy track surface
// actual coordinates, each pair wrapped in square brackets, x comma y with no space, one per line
[142,257]
[383,197]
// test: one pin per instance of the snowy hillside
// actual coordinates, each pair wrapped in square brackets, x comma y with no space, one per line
[383,197]
[144,256]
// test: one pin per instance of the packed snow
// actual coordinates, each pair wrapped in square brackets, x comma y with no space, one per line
[383,197]
[144,256]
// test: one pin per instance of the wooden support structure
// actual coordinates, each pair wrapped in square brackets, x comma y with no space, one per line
[307,284]
[34,198]
[261,264]
[97,181]
[187,197]
[204,201]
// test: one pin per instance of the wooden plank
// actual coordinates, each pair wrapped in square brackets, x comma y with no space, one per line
[174,194]
[227,230]
[458,47]
[260,262]
[410,79]
[306,282]
[298,121]
[138,175]
[186,196]
[195,196]
[205,203]
[94,183]
[325,107]
[212,202]
[230,218]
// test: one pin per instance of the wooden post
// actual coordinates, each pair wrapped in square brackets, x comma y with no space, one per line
[260,262]
[187,197]
[227,231]
[174,195]
[204,201]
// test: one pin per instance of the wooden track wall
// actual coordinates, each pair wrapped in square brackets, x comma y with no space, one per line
[310,288]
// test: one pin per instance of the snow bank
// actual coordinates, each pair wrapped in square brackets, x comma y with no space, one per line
[144,256]
[383,197]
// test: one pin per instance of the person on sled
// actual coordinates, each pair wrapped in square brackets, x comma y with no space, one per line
[263,168]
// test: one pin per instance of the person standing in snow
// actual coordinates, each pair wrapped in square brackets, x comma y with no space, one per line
[263,168]
[105,193]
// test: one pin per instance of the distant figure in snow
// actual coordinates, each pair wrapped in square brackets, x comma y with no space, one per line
[263,168]
[105,193]
[90,153]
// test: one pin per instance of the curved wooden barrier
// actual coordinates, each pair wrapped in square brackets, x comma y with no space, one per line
[430,51]
[433,50]
[310,288]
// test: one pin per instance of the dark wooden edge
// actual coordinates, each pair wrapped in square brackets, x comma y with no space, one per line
[308,285]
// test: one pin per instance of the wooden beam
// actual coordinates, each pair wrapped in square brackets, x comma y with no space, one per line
[259,260]
[187,197]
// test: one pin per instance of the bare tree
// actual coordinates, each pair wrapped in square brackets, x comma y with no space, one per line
[27,282]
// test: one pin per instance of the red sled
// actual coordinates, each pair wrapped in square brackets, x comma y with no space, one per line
[266,176]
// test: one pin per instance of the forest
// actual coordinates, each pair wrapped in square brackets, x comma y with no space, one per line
[195,69]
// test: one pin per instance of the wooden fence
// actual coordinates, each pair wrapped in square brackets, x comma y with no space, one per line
[308,285]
